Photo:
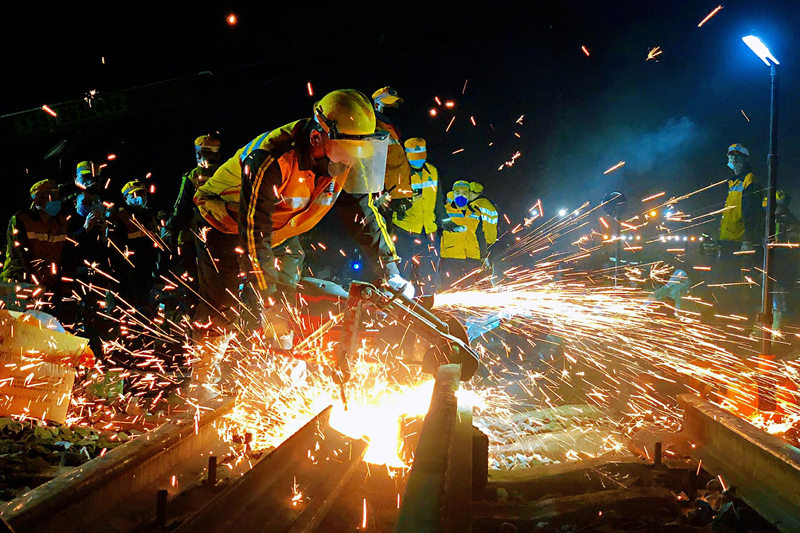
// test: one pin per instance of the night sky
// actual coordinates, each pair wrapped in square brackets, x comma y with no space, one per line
[671,120]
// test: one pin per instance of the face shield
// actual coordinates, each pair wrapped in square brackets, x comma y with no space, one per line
[364,160]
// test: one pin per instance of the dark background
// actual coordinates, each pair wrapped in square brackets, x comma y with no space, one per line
[670,120]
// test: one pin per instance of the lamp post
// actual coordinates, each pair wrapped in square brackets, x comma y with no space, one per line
[766,390]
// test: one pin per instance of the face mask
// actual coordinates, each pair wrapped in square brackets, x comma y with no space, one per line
[460,200]
[52,208]
[83,207]
[417,163]
[135,201]
[730,166]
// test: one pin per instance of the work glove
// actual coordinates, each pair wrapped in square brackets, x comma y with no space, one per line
[400,206]
[447,224]
[396,282]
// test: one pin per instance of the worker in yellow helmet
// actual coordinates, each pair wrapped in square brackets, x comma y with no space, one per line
[289,179]
[185,223]
[467,251]
[35,239]
[398,174]
[417,221]
[138,237]
[87,175]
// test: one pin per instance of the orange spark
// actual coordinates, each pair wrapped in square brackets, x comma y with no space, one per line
[46,109]
[364,515]
[432,111]
[112,157]
[309,88]
[585,50]
[615,167]
[654,53]
[713,12]
[438,102]
[231,19]
[449,104]
[450,124]
[458,151]
[745,115]
[472,119]
[653,196]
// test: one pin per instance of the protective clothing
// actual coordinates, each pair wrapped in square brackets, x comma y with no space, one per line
[426,204]
[743,218]
[132,187]
[87,174]
[479,217]
[34,248]
[138,229]
[386,97]
[43,187]
[285,193]
[397,181]
[53,207]
[736,147]
[416,152]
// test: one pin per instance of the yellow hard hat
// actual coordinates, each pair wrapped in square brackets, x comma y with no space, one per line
[207,142]
[386,97]
[87,167]
[476,187]
[461,183]
[345,113]
[416,149]
[132,187]
[43,187]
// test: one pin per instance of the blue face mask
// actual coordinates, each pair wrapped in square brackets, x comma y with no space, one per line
[460,200]
[417,164]
[137,201]
[83,207]
[52,208]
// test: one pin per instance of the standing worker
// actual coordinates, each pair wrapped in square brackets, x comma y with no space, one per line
[35,239]
[467,250]
[741,231]
[417,220]
[185,221]
[397,182]
[140,233]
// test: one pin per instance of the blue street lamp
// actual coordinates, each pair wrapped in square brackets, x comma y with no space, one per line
[766,392]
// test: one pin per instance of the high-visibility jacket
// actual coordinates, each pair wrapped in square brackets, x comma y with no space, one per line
[285,192]
[185,219]
[398,172]
[488,218]
[743,218]
[34,249]
[480,218]
[426,201]
[218,198]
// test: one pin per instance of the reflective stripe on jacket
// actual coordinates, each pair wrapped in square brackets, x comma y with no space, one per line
[34,245]
[488,218]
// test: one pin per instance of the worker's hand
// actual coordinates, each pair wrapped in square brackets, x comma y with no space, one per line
[91,220]
[447,224]
[400,206]
[396,281]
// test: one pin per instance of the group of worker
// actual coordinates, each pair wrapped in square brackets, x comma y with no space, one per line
[75,233]
[281,184]
[233,233]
